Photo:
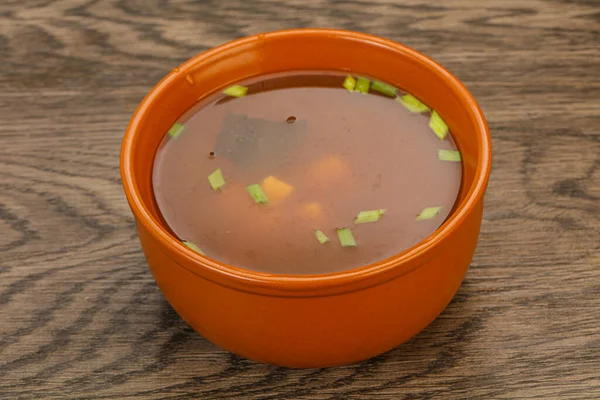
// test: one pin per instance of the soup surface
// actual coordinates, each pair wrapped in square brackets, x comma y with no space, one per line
[306,174]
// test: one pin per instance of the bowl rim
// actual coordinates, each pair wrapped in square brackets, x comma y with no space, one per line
[314,284]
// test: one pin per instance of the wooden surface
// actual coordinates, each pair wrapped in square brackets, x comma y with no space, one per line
[81,316]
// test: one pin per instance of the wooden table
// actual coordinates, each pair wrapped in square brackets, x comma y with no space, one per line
[81,316]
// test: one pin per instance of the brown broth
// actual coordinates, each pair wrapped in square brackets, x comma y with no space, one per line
[342,152]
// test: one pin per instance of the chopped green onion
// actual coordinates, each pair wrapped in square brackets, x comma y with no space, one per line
[236,91]
[216,179]
[321,237]
[438,125]
[349,83]
[194,247]
[384,88]
[369,216]
[346,238]
[449,155]
[412,104]
[428,213]
[257,194]
[175,130]
[362,85]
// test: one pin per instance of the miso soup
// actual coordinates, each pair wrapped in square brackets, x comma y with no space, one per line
[306,173]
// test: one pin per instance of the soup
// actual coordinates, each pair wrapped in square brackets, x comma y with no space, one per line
[306,173]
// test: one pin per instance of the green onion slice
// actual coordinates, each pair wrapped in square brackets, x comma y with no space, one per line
[449,155]
[349,83]
[362,85]
[176,130]
[257,194]
[412,104]
[438,125]
[194,247]
[346,237]
[236,91]
[321,237]
[428,213]
[384,88]
[216,179]
[369,216]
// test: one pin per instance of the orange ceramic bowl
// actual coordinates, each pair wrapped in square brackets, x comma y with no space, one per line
[309,320]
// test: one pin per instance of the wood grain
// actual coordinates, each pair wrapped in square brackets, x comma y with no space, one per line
[80,314]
